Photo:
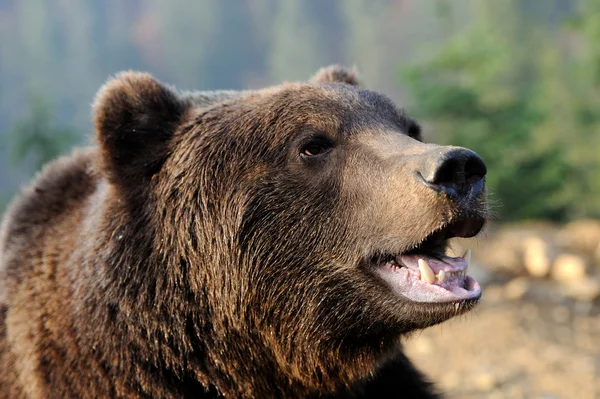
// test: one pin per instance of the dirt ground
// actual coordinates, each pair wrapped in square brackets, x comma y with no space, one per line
[525,340]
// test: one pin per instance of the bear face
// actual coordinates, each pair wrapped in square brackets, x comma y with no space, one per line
[299,212]
[269,243]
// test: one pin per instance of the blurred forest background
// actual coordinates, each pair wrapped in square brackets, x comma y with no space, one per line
[518,81]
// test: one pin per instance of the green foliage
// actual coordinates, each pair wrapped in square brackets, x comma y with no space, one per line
[516,80]
[491,89]
[37,139]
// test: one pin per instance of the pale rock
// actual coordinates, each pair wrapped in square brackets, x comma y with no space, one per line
[568,267]
[424,345]
[537,256]
[585,289]
[484,381]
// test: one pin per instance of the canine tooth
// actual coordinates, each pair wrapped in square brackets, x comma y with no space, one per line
[456,306]
[467,256]
[441,276]
[426,272]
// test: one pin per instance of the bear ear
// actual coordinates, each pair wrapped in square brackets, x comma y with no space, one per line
[135,117]
[336,74]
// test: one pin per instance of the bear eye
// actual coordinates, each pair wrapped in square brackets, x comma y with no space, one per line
[316,147]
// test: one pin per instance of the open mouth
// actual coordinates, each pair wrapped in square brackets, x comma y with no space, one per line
[427,274]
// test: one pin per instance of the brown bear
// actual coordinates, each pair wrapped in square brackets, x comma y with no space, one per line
[276,243]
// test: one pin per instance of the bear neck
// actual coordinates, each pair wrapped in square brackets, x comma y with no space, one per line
[181,338]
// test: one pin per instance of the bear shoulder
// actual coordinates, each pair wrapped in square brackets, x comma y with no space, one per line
[56,191]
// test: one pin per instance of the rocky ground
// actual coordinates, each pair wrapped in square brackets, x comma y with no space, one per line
[536,333]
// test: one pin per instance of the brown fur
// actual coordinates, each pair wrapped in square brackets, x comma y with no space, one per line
[194,253]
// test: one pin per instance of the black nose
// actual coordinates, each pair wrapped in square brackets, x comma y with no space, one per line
[456,171]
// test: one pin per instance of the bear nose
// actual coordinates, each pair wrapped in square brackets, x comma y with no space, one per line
[458,172]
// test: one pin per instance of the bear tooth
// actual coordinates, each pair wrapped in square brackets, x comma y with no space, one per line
[426,272]
[467,257]
[441,276]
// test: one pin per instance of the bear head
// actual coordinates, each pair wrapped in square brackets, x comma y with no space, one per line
[296,231]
